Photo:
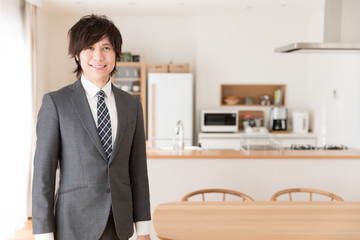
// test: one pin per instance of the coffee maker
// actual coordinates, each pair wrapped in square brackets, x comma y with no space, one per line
[278,119]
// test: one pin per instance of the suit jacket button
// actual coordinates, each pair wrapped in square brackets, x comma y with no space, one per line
[108,190]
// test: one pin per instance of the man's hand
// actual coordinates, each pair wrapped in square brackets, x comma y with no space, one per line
[143,237]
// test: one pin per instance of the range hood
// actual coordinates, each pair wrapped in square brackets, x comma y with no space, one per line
[341,31]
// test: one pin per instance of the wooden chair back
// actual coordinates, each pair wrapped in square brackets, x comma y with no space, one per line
[224,192]
[310,191]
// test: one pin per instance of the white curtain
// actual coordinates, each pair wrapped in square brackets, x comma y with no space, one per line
[16,114]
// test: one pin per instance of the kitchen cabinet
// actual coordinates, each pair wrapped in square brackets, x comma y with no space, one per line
[131,77]
[240,140]
[256,173]
[226,141]
[280,140]
[250,94]
[288,139]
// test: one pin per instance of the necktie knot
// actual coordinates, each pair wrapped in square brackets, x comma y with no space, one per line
[101,94]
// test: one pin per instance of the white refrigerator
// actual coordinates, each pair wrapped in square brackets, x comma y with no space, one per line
[170,99]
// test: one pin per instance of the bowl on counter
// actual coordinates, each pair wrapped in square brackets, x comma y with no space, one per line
[231,100]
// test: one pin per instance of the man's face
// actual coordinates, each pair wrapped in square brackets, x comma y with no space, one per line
[98,61]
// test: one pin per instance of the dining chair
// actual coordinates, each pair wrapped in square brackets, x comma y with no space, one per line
[310,191]
[222,192]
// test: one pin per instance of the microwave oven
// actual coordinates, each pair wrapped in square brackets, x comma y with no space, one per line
[219,121]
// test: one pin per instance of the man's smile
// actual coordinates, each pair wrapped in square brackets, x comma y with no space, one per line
[98,66]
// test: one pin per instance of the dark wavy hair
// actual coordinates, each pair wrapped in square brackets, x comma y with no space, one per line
[89,30]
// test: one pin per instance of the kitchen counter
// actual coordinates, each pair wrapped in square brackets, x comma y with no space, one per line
[259,174]
[254,154]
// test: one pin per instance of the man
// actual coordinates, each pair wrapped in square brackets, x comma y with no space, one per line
[94,132]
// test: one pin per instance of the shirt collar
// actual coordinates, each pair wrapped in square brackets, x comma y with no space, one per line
[91,89]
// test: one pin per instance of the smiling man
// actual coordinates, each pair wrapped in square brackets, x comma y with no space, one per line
[97,62]
[94,133]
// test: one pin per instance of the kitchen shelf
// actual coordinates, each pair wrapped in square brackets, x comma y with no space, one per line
[128,75]
[255,91]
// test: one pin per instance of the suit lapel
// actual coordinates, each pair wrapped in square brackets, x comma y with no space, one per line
[82,108]
[122,120]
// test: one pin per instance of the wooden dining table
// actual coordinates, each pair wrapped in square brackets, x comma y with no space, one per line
[257,220]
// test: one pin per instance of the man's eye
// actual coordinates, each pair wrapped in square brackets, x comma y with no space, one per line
[90,48]
[106,48]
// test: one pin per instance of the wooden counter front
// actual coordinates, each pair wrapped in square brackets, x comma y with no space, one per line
[258,220]
[256,154]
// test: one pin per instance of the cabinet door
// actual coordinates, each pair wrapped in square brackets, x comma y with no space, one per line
[220,144]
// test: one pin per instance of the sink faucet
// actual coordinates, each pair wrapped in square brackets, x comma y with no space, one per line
[179,130]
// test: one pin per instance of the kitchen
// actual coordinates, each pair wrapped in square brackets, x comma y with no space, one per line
[233,46]
[225,57]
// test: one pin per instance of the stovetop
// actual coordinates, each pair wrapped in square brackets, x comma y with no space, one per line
[325,147]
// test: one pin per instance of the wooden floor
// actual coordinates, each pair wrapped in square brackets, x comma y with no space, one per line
[25,233]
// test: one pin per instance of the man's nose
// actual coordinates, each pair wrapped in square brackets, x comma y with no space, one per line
[98,54]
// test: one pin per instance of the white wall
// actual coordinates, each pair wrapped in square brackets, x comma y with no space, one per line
[220,49]
[333,94]
[155,39]
[240,49]
[60,66]
[159,39]
[334,97]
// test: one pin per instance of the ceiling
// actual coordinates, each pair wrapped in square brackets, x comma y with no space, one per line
[177,7]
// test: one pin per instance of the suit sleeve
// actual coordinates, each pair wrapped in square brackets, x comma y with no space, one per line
[138,171]
[45,164]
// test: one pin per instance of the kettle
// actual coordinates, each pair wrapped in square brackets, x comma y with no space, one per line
[300,122]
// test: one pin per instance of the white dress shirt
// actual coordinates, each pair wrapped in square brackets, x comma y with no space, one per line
[91,90]
[142,227]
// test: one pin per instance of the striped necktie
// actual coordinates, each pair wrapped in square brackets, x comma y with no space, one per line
[104,124]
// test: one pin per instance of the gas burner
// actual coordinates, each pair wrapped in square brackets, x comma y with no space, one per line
[311,147]
[302,147]
[334,147]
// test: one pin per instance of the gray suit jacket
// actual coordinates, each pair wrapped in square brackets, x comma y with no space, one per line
[89,183]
